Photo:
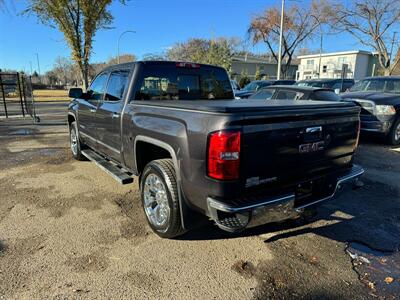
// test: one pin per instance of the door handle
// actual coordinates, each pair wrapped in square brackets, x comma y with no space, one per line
[115,115]
[92,110]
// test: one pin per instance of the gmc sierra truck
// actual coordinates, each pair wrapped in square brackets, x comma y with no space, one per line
[197,151]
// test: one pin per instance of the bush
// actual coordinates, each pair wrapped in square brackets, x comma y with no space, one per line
[244,80]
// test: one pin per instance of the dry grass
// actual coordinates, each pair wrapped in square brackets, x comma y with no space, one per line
[50,95]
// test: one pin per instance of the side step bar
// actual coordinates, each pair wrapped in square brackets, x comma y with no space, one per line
[111,169]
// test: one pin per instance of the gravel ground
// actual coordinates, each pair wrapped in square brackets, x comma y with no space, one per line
[67,230]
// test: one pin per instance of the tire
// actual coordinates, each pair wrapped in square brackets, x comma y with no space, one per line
[394,134]
[75,144]
[158,180]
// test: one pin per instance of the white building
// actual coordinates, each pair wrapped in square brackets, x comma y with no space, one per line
[267,67]
[359,63]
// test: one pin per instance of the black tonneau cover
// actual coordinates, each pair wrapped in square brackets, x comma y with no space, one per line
[232,106]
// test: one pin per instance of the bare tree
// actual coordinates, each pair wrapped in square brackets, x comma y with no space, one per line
[79,21]
[372,23]
[64,70]
[155,56]
[217,51]
[299,26]
[123,58]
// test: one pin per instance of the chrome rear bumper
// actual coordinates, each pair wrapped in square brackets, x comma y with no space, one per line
[236,218]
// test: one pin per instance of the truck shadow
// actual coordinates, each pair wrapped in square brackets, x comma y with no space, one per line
[368,215]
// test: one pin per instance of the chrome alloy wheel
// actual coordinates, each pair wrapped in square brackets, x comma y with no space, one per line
[74,142]
[397,132]
[156,203]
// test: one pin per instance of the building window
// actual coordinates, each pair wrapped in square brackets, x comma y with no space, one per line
[324,69]
[310,62]
[342,60]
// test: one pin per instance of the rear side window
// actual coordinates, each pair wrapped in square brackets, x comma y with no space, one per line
[168,82]
[97,87]
[289,95]
[263,95]
[116,85]
[326,96]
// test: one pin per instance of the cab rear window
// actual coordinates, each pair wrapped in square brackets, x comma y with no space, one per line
[174,83]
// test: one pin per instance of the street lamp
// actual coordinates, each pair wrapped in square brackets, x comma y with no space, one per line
[320,44]
[119,39]
[278,76]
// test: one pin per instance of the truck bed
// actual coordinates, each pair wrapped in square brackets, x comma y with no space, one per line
[245,105]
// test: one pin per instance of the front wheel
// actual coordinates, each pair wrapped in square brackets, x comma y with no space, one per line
[394,135]
[159,193]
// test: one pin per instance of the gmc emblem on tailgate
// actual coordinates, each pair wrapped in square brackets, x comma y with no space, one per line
[312,147]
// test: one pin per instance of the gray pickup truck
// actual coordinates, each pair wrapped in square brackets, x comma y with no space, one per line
[198,152]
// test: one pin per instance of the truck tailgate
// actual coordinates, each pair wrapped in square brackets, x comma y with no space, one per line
[284,148]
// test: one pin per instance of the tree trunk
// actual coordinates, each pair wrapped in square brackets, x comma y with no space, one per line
[85,78]
[387,71]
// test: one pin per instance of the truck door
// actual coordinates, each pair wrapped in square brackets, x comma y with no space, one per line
[108,117]
[88,108]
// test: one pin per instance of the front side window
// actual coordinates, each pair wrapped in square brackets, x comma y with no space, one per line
[97,87]
[116,85]
[377,85]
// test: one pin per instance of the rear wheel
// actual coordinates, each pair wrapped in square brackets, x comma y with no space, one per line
[394,135]
[75,144]
[159,193]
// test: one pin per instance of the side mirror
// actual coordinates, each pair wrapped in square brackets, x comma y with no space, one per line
[75,93]
[337,91]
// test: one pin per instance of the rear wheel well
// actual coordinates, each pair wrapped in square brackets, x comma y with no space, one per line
[147,152]
[71,119]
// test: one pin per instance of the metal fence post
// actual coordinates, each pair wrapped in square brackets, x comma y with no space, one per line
[4,96]
[35,119]
[24,93]
[20,95]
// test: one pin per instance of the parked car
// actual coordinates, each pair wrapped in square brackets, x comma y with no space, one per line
[255,85]
[379,98]
[338,85]
[284,92]
[235,86]
[197,151]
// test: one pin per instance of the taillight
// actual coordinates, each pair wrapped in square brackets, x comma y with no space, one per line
[224,155]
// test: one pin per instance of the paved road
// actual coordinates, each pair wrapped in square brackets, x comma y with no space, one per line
[51,112]
[67,230]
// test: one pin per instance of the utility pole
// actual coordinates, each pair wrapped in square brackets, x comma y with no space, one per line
[391,48]
[119,39]
[278,76]
[38,64]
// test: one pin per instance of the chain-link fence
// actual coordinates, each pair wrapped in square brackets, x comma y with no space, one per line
[16,95]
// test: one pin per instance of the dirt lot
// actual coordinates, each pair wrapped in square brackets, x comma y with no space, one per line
[67,230]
